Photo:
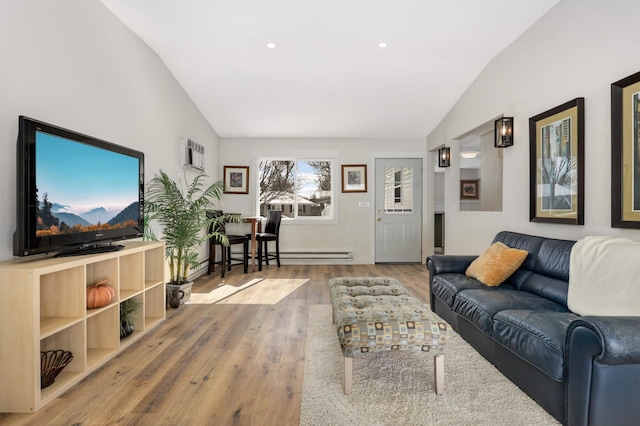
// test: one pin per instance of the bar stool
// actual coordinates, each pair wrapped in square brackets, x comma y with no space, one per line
[271,233]
[226,261]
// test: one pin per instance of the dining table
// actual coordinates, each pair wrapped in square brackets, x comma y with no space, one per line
[256,227]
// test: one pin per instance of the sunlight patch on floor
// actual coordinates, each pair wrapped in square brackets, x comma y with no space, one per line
[220,293]
[269,292]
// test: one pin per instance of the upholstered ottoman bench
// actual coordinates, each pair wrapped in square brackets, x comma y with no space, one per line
[374,314]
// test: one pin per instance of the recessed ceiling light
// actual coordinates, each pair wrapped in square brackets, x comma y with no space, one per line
[382,45]
[271,45]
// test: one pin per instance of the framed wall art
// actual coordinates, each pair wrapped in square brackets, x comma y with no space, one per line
[470,189]
[556,164]
[236,180]
[354,178]
[625,152]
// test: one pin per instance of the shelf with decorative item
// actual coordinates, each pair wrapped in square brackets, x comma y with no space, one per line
[131,316]
[51,364]
[100,294]
[70,339]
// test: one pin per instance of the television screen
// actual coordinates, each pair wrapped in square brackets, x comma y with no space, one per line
[75,190]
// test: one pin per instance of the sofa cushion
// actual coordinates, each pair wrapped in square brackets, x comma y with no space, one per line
[446,286]
[480,306]
[547,287]
[547,257]
[536,336]
[530,243]
[553,259]
[496,264]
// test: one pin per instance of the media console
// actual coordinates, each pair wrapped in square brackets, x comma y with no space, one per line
[43,307]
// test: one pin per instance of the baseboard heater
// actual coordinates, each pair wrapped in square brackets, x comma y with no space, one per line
[316,255]
[290,257]
[201,269]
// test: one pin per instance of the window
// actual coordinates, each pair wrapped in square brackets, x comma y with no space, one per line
[398,190]
[299,188]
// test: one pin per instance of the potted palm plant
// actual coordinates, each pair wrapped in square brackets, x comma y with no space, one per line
[185,224]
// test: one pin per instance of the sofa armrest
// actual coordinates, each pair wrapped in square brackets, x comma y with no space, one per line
[602,368]
[619,338]
[443,263]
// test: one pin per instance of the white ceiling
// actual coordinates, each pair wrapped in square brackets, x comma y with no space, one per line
[327,77]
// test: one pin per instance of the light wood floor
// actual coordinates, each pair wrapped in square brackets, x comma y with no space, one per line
[219,364]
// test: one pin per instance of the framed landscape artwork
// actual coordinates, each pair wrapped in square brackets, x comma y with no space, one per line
[625,152]
[556,181]
[236,180]
[354,178]
[470,189]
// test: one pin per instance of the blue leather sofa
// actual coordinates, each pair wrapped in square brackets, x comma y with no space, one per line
[584,370]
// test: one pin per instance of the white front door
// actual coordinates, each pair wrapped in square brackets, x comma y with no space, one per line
[398,212]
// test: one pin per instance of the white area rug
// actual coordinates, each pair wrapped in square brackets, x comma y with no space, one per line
[396,388]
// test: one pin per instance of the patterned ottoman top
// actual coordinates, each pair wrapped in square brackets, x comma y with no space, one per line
[378,314]
[363,281]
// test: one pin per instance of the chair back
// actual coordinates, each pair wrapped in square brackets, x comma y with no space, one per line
[273,222]
[213,214]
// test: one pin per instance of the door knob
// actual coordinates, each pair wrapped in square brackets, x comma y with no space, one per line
[378,219]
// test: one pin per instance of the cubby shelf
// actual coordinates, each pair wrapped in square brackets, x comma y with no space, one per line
[44,308]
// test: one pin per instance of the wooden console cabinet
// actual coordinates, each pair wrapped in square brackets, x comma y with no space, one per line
[43,307]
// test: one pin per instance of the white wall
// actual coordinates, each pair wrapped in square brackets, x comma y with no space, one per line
[73,64]
[354,229]
[490,174]
[576,50]
[438,192]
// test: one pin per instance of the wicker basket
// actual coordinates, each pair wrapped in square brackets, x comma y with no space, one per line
[51,364]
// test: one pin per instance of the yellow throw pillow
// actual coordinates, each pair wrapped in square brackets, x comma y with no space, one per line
[496,264]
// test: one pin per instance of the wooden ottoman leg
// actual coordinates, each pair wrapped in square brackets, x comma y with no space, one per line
[348,375]
[438,370]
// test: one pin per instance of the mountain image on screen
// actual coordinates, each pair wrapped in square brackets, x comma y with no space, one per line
[56,219]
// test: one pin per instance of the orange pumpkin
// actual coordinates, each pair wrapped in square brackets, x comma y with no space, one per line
[100,294]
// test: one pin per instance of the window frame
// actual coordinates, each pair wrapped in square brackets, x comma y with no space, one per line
[302,220]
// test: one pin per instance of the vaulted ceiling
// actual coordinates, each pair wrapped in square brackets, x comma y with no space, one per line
[327,75]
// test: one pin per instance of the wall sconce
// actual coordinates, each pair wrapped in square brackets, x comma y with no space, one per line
[504,132]
[444,156]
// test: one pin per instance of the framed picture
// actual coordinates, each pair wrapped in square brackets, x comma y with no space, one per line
[556,164]
[236,180]
[625,152]
[470,189]
[354,178]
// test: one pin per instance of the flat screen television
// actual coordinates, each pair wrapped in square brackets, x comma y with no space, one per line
[76,194]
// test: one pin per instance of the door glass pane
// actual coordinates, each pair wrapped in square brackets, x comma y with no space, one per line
[398,190]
